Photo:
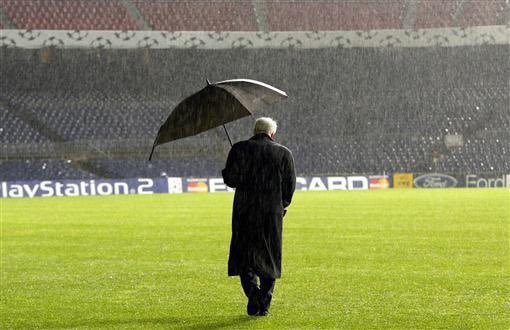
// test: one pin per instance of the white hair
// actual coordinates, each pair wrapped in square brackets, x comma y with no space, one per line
[265,125]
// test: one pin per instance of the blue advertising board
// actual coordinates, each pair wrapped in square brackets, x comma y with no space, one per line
[50,188]
[162,185]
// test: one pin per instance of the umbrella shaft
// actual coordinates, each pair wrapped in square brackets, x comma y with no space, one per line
[228,136]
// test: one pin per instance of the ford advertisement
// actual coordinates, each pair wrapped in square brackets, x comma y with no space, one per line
[481,180]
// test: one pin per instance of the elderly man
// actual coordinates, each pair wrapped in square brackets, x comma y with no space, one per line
[262,171]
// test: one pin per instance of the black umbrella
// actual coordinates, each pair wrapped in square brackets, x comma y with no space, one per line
[215,105]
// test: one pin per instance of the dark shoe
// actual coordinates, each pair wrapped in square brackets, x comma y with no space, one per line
[264,312]
[264,303]
[253,303]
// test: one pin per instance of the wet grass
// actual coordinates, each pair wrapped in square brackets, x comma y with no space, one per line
[379,259]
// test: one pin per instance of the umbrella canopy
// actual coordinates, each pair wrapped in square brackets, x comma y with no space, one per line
[215,105]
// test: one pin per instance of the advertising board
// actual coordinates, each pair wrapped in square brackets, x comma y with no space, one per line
[51,188]
[462,180]
[176,185]
[162,185]
[379,181]
[487,181]
[402,180]
[435,180]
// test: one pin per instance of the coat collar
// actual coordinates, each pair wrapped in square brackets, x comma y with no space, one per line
[261,136]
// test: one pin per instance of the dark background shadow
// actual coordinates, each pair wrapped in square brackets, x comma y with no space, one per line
[171,322]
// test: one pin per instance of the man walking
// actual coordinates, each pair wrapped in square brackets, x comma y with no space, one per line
[262,171]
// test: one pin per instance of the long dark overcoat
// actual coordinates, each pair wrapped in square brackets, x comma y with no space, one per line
[262,171]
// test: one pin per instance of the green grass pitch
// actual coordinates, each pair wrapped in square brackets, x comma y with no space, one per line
[395,259]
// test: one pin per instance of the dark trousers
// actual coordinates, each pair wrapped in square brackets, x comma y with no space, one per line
[249,282]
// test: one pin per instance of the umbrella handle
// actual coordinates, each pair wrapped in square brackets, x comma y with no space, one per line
[228,136]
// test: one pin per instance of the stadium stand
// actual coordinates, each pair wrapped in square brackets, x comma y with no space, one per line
[242,15]
[350,110]
[483,13]
[195,167]
[199,15]
[41,170]
[378,111]
[93,115]
[333,15]
[14,130]
[436,14]
[68,15]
